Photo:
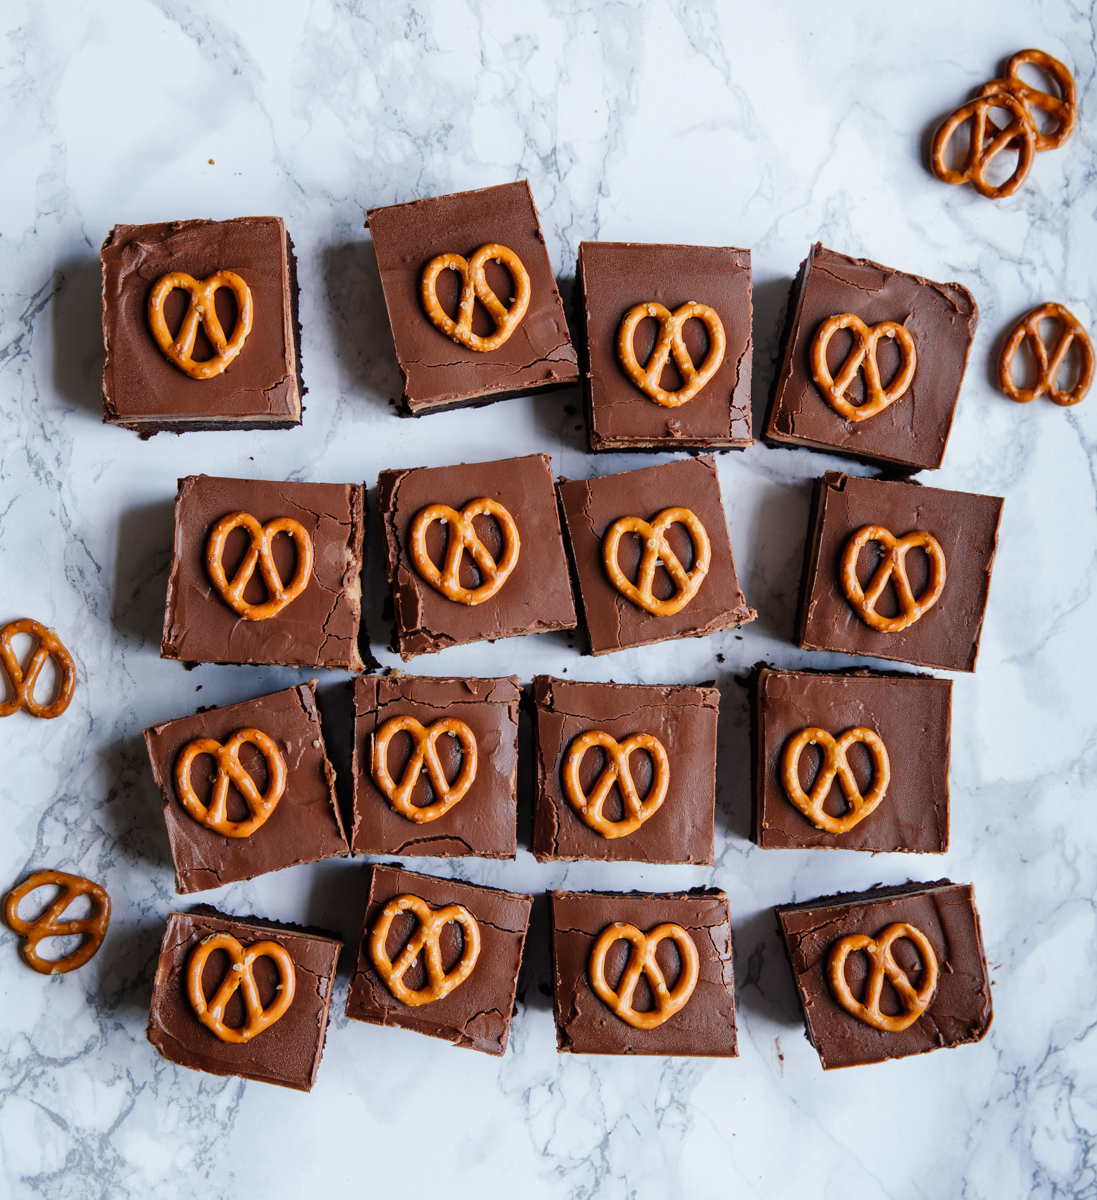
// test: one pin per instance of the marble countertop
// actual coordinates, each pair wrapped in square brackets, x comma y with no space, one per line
[760,126]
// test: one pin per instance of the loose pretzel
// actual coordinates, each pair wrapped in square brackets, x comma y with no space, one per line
[1029,326]
[863,353]
[424,756]
[1062,108]
[616,771]
[641,960]
[240,974]
[202,309]
[475,287]
[657,550]
[894,563]
[463,536]
[425,941]
[883,963]
[259,552]
[49,923]
[987,140]
[835,763]
[671,341]
[231,769]
[23,681]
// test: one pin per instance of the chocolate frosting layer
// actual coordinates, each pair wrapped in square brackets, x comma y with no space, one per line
[536,596]
[476,1014]
[483,821]
[438,372]
[591,506]
[966,526]
[287,1052]
[910,713]
[317,629]
[913,431]
[684,721]
[612,277]
[961,1010]
[141,388]
[703,1028]
[304,827]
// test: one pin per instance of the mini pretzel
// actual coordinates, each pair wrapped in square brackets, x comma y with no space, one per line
[1029,326]
[475,287]
[894,563]
[835,763]
[240,975]
[425,753]
[883,964]
[1062,108]
[49,924]
[616,771]
[462,536]
[877,397]
[202,309]
[425,941]
[259,552]
[671,340]
[657,550]
[23,681]
[987,140]
[231,769]
[641,960]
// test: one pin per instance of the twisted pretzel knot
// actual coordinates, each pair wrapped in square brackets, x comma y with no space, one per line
[657,550]
[1062,108]
[1029,326]
[424,754]
[883,964]
[893,564]
[426,941]
[240,975]
[863,353]
[987,141]
[49,924]
[259,552]
[641,961]
[231,769]
[201,309]
[670,340]
[834,764]
[616,771]
[475,287]
[23,681]
[463,536]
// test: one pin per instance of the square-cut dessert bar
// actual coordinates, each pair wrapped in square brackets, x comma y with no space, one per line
[666,351]
[435,766]
[624,772]
[200,326]
[246,789]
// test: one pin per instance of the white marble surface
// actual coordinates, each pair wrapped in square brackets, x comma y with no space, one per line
[762,126]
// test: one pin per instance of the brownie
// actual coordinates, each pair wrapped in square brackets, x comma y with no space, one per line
[910,433]
[438,372]
[144,391]
[535,597]
[476,1013]
[585,1024]
[964,525]
[681,719]
[911,714]
[592,506]
[304,825]
[288,1051]
[482,822]
[614,277]
[958,1011]
[319,628]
